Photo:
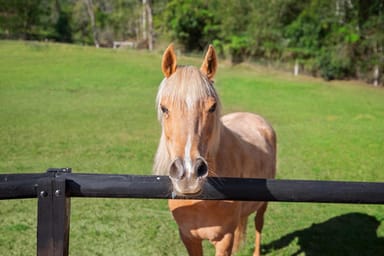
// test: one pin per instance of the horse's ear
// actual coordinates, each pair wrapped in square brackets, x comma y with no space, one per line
[168,63]
[209,65]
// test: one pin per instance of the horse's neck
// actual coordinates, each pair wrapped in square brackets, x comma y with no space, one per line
[227,154]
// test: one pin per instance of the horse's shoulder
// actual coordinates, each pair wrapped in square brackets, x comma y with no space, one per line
[245,121]
[250,127]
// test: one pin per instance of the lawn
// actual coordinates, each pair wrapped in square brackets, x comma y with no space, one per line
[93,110]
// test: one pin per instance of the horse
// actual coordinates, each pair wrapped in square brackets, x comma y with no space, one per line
[196,143]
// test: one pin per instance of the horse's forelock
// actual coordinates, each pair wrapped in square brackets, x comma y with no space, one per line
[184,88]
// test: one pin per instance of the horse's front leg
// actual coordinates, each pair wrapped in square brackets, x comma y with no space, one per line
[259,223]
[193,245]
[224,246]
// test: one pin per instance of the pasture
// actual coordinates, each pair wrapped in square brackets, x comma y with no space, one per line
[94,110]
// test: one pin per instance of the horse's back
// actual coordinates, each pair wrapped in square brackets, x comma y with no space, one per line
[258,139]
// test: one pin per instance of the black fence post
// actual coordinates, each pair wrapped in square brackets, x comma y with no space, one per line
[53,214]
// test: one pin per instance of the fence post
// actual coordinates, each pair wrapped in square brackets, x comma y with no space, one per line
[53,214]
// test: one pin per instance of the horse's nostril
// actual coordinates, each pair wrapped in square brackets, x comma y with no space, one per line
[176,170]
[202,169]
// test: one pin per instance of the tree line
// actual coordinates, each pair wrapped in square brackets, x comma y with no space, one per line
[334,39]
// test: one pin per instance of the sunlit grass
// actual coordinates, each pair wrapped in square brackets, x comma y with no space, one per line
[93,110]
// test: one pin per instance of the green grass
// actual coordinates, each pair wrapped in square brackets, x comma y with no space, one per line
[93,110]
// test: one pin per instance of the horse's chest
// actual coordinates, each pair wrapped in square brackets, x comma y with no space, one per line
[213,234]
[205,219]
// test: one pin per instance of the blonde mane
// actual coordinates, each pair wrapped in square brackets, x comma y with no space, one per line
[185,88]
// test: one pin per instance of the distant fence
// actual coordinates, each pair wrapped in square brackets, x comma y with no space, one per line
[54,189]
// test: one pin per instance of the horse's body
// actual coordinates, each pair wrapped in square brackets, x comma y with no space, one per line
[196,143]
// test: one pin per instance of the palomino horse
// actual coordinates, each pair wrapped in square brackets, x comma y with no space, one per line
[196,143]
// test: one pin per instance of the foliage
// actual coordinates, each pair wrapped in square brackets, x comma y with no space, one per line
[335,63]
[311,32]
[190,22]
[25,19]
[238,48]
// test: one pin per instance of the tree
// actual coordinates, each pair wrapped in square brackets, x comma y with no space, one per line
[190,22]
[371,48]
[28,20]
[62,14]
[90,10]
[147,23]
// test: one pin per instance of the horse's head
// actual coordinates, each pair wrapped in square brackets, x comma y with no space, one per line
[189,110]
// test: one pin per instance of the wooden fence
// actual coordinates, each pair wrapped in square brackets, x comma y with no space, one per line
[55,188]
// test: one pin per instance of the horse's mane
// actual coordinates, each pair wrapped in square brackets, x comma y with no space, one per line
[186,87]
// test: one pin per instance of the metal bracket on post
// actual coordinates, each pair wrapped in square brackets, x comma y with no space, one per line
[53,214]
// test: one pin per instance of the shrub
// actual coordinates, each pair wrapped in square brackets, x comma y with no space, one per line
[335,63]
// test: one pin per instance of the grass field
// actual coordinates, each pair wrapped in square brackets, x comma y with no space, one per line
[93,110]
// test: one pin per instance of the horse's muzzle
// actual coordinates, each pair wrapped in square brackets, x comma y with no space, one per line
[188,179]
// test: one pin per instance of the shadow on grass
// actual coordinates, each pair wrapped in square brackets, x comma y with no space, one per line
[349,234]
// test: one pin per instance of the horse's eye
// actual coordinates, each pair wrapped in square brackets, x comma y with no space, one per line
[212,109]
[164,109]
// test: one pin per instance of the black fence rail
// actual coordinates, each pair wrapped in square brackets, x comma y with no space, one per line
[54,189]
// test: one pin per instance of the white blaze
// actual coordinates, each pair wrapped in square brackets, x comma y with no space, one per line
[187,156]
[189,102]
